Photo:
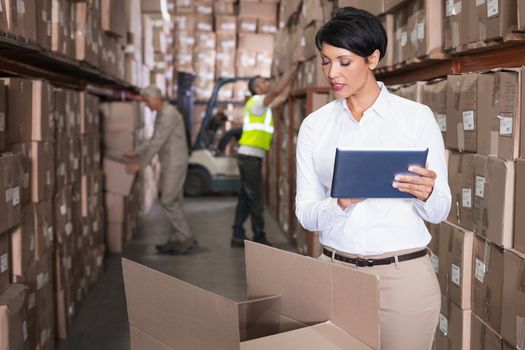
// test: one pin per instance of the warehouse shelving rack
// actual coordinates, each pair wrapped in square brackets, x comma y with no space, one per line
[19,57]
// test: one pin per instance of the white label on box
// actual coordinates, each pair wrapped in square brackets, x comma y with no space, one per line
[8,195]
[480,2]
[21,6]
[442,122]
[443,324]
[24,330]
[421,31]
[468,120]
[249,27]
[505,126]
[404,39]
[480,186]
[466,198]
[31,301]
[435,262]
[480,270]
[492,8]
[228,44]
[2,122]
[204,26]
[16,196]
[63,209]
[457,8]
[455,275]
[228,26]
[4,264]
[48,177]
[99,260]
[206,10]
[40,281]
[450,8]
[32,243]
[69,228]
[51,234]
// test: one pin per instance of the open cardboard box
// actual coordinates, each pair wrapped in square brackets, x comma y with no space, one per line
[295,302]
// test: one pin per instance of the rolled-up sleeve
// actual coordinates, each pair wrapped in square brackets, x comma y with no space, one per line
[314,209]
[436,208]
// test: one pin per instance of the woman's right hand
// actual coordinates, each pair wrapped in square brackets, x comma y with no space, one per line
[344,203]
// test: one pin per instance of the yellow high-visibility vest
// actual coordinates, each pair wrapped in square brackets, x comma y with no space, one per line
[257,130]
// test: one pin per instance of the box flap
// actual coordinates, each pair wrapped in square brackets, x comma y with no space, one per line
[176,314]
[356,310]
[298,279]
[259,318]
[326,336]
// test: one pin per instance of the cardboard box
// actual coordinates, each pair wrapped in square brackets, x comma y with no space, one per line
[43,229]
[63,214]
[24,149]
[387,20]
[86,33]
[494,200]
[390,5]
[499,114]
[278,309]
[513,313]
[519,219]
[491,19]
[375,7]
[453,331]
[42,171]
[59,28]
[121,116]
[247,25]
[286,10]
[521,14]
[4,262]
[204,23]
[226,54]
[3,17]
[456,24]
[46,331]
[434,95]
[462,115]
[10,186]
[43,23]
[412,91]
[116,179]
[487,282]
[482,337]
[21,18]
[257,10]
[13,323]
[310,50]
[225,24]
[23,244]
[111,17]
[223,7]
[462,187]
[310,12]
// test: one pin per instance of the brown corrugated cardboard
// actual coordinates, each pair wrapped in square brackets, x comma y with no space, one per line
[10,187]
[247,25]
[3,111]
[267,26]
[487,282]
[111,19]
[43,229]
[491,19]
[513,313]
[453,331]
[462,114]
[63,214]
[521,14]
[42,121]
[116,178]
[389,5]
[59,28]
[280,303]
[42,171]
[434,95]
[387,20]
[23,244]
[223,7]
[86,33]
[519,219]
[18,124]
[286,10]
[400,34]
[458,268]
[257,10]
[24,149]
[4,262]
[499,114]
[3,17]
[310,50]
[43,23]
[494,199]
[21,17]
[13,324]
[482,337]
[456,24]
[375,7]
[225,24]
[204,23]
[461,182]
[121,116]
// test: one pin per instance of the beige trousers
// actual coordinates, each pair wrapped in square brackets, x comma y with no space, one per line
[409,301]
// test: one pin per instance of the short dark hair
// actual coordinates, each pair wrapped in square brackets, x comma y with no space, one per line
[251,84]
[355,30]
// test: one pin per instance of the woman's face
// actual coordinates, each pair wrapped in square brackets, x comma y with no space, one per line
[346,72]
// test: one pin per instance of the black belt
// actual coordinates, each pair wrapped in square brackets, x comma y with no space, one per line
[373,262]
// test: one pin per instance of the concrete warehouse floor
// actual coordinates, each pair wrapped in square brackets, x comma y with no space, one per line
[215,266]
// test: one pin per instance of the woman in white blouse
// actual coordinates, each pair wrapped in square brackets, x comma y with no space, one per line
[386,237]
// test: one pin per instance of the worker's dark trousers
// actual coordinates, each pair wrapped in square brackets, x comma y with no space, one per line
[251,197]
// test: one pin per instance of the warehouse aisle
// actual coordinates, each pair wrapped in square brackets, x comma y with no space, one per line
[102,322]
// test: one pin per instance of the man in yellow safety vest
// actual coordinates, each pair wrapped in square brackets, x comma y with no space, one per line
[257,133]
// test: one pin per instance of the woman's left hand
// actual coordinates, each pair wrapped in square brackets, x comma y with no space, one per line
[419,186]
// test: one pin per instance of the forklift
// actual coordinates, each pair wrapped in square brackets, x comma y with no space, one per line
[208,172]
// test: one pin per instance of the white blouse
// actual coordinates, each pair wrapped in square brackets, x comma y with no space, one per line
[374,226]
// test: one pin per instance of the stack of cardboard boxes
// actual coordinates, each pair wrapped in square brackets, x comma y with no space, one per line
[478,253]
